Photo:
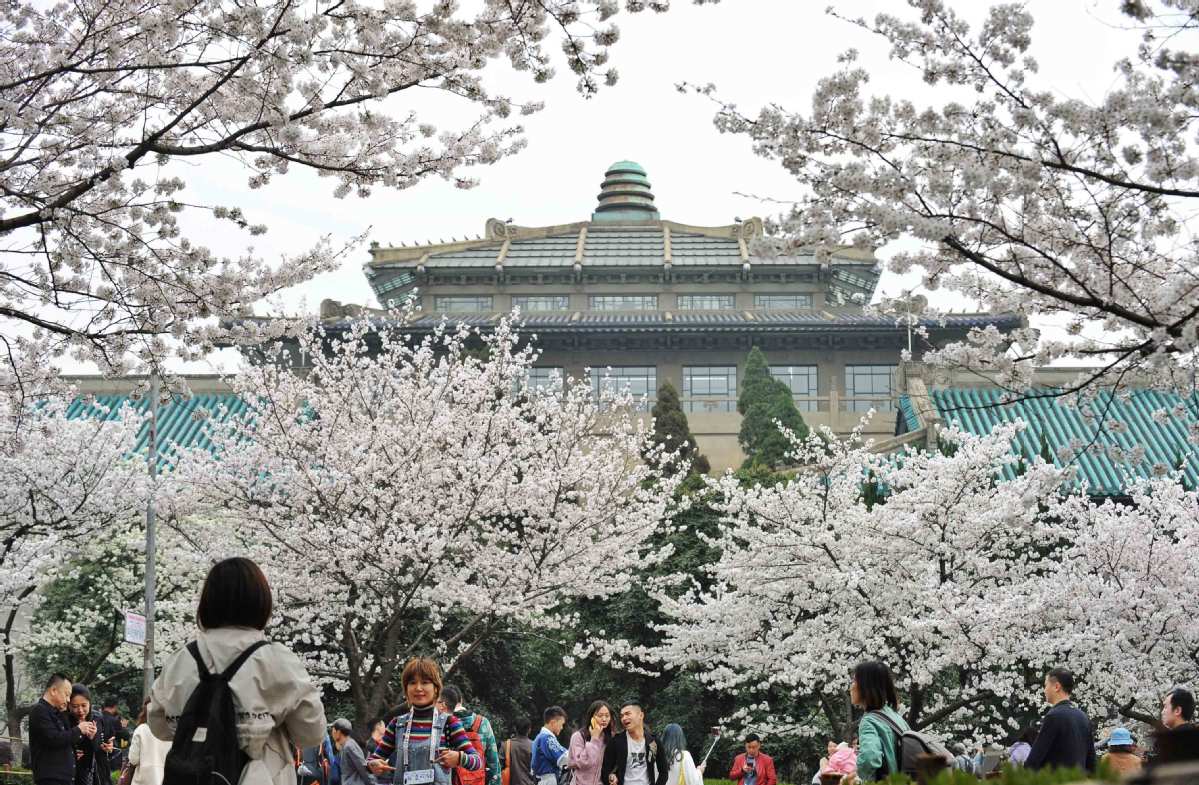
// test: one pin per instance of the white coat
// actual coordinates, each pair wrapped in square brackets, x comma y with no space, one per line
[684,772]
[278,707]
[147,752]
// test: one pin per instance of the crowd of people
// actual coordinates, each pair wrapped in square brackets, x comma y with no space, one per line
[274,730]
[1065,737]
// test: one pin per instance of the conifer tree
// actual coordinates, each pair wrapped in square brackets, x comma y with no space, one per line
[764,403]
[672,431]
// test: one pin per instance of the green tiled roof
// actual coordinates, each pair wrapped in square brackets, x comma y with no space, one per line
[181,421]
[1055,423]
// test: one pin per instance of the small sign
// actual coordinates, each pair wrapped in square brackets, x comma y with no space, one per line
[135,628]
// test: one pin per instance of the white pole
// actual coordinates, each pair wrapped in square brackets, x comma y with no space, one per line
[148,649]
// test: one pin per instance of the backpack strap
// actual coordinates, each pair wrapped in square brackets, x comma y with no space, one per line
[478,723]
[233,668]
[894,726]
[883,716]
[194,648]
[227,674]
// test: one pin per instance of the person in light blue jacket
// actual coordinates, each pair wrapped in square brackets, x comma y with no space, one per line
[549,756]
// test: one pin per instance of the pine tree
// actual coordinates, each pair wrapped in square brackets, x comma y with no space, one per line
[765,401]
[672,431]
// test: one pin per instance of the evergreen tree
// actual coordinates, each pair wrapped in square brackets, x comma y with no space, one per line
[672,431]
[764,401]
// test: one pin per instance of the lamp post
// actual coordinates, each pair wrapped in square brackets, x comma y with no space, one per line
[151,547]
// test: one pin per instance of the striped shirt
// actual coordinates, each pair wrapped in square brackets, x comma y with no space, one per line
[453,737]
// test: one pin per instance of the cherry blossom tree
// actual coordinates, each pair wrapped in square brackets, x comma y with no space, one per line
[1125,601]
[416,496]
[968,585]
[814,578]
[104,104]
[1026,200]
[66,485]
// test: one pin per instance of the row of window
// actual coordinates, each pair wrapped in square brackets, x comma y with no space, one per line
[714,387]
[541,303]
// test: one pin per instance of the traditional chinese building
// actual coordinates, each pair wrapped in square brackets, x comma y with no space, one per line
[629,298]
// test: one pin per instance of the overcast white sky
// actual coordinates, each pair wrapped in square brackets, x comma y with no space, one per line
[755,51]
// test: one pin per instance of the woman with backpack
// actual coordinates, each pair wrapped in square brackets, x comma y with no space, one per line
[430,743]
[588,742]
[275,705]
[873,691]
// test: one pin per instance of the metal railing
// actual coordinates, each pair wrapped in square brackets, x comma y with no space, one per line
[834,402]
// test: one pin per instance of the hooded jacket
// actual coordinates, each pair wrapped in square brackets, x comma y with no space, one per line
[278,707]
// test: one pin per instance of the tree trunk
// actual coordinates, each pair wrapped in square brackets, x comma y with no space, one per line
[12,712]
[13,718]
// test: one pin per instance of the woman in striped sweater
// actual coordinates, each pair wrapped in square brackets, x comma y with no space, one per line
[429,743]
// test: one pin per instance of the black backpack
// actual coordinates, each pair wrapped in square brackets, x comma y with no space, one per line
[206,750]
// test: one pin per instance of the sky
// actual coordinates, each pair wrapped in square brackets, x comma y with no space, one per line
[754,51]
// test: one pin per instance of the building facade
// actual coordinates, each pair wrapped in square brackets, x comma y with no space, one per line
[632,300]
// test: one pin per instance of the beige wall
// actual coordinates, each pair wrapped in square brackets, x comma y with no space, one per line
[716,431]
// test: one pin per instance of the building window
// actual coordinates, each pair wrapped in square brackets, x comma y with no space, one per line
[783,302]
[462,303]
[640,381]
[545,378]
[534,303]
[869,387]
[623,302]
[710,388]
[801,381]
[706,302]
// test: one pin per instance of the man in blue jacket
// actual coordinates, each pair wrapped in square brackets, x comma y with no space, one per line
[52,739]
[1066,739]
[549,756]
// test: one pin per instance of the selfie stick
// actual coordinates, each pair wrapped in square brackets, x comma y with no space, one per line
[715,738]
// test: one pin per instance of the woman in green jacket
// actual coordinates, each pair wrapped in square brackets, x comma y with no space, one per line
[873,691]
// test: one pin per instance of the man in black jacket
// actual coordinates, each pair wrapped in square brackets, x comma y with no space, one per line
[51,738]
[634,757]
[1065,739]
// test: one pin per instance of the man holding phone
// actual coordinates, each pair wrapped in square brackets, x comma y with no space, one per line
[52,740]
[753,767]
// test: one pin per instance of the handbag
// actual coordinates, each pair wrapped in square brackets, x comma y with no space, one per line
[506,774]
